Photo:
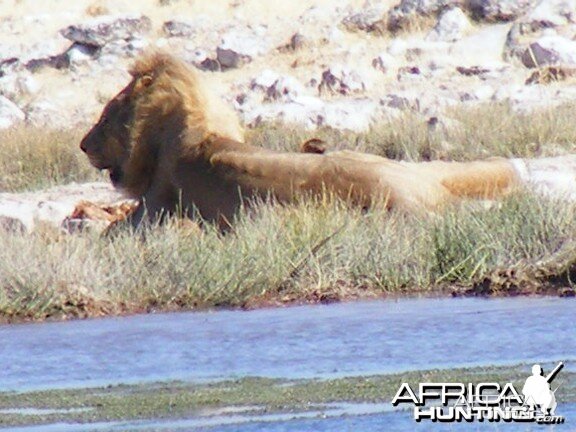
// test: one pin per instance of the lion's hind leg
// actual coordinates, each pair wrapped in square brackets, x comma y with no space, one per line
[488,179]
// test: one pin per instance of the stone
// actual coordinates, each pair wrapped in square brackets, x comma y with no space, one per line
[8,66]
[472,70]
[401,102]
[79,54]
[553,13]
[12,225]
[18,84]
[277,87]
[342,80]
[240,47]
[384,62]
[356,115]
[369,20]
[209,64]
[451,26]
[174,28]
[59,61]
[551,74]
[230,59]
[405,12]
[124,48]
[10,114]
[311,112]
[297,41]
[44,113]
[303,111]
[548,18]
[103,30]
[499,10]
[52,206]
[550,50]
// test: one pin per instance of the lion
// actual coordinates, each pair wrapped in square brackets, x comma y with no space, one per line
[167,142]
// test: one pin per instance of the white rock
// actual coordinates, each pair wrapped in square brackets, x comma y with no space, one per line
[311,112]
[46,48]
[277,87]
[385,62]
[10,114]
[554,12]
[452,25]
[265,80]
[343,80]
[105,29]
[20,84]
[194,55]
[124,48]
[368,20]
[554,176]
[356,115]
[80,54]
[550,50]
[397,47]
[303,110]
[406,101]
[44,113]
[187,28]
[484,92]
[240,47]
[406,10]
[54,205]
[500,10]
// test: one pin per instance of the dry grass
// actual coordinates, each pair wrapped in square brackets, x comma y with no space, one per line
[307,252]
[472,133]
[37,158]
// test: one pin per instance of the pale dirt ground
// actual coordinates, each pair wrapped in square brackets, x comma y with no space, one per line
[31,23]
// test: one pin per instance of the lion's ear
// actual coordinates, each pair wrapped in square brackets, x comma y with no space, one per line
[146,80]
[143,82]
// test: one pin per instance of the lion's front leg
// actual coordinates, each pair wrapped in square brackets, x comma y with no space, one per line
[151,209]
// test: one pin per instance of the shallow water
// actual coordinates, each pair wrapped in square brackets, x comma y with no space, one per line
[392,422]
[347,417]
[354,338]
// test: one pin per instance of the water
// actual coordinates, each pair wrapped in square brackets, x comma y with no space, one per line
[356,338]
[350,417]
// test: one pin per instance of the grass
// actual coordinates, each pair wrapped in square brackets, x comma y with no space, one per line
[312,251]
[271,257]
[177,400]
[33,158]
[471,133]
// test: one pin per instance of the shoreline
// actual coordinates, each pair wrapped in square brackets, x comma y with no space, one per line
[168,401]
[258,304]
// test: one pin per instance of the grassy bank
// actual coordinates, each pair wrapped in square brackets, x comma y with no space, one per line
[248,396]
[313,251]
[309,252]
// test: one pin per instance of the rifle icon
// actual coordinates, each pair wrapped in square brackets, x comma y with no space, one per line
[550,377]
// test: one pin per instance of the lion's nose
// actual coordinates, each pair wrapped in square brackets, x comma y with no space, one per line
[83,146]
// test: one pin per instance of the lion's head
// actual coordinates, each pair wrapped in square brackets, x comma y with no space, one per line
[107,144]
[164,101]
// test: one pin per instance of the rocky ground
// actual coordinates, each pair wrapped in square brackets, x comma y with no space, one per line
[345,64]
[342,63]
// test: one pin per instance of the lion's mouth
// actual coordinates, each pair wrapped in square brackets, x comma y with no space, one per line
[115,175]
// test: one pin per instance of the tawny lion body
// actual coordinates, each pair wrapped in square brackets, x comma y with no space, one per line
[169,144]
